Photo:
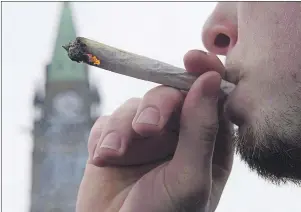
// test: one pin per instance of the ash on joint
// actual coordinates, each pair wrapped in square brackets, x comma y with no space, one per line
[77,51]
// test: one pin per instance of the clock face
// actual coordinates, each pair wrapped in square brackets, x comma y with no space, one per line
[68,104]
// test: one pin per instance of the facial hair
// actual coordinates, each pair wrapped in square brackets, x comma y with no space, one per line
[273,154]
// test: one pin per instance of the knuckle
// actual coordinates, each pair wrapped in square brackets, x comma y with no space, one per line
[124,113]
[130,106]
[100,123]
[115,120]
[209,131]
[162,93]
[98,128]
[122,118]
[96,132]
[195,186]
[133,101]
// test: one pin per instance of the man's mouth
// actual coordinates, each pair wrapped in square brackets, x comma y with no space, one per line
[238,101]
[230,110]
[232,76]
[239,104]
[233,117]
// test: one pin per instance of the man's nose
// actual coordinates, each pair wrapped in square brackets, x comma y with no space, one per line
[220,30]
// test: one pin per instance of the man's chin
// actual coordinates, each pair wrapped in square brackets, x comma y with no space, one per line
[275,159]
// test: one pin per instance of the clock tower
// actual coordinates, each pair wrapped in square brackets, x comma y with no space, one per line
[64,114]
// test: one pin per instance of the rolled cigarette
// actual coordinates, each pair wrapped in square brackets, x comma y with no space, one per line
[133,65]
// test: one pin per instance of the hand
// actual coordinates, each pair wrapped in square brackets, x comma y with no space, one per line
[181,163]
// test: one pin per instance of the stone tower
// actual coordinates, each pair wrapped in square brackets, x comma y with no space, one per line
[64,117]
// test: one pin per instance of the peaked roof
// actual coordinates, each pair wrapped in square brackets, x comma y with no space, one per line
[61,67]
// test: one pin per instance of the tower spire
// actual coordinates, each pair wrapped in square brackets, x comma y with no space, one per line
[61,68]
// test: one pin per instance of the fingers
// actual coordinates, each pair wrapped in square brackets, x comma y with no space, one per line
[199,62]
[160,101]
[152,116]
[133,149]
[95,134]
[199,125]
[118,132]
[155,110]
[199,120]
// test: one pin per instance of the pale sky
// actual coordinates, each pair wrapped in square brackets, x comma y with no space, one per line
[164,31]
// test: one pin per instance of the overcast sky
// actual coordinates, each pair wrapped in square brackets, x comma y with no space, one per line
[164,31]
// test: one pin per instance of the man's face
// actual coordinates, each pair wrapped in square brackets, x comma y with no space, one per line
[262,44]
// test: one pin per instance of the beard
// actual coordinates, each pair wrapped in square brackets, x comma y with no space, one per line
[272,152]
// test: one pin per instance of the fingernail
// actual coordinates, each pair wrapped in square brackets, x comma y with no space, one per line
[149,115]
[111,141]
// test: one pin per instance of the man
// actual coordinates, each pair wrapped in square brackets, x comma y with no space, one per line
[172,151]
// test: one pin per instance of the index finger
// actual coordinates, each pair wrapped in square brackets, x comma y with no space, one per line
[199,62]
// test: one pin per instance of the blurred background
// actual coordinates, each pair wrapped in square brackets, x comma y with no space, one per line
[50,103]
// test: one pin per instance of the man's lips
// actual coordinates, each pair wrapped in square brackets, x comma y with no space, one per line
[232,116]
[238,104]
[237,101]
[232,76]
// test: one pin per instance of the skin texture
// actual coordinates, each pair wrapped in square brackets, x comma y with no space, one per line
[193,140]
[265,64]
[201,156]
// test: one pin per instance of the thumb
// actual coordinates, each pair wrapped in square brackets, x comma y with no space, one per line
[192,161]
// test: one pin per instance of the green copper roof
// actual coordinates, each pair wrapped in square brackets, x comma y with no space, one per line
[61,67]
